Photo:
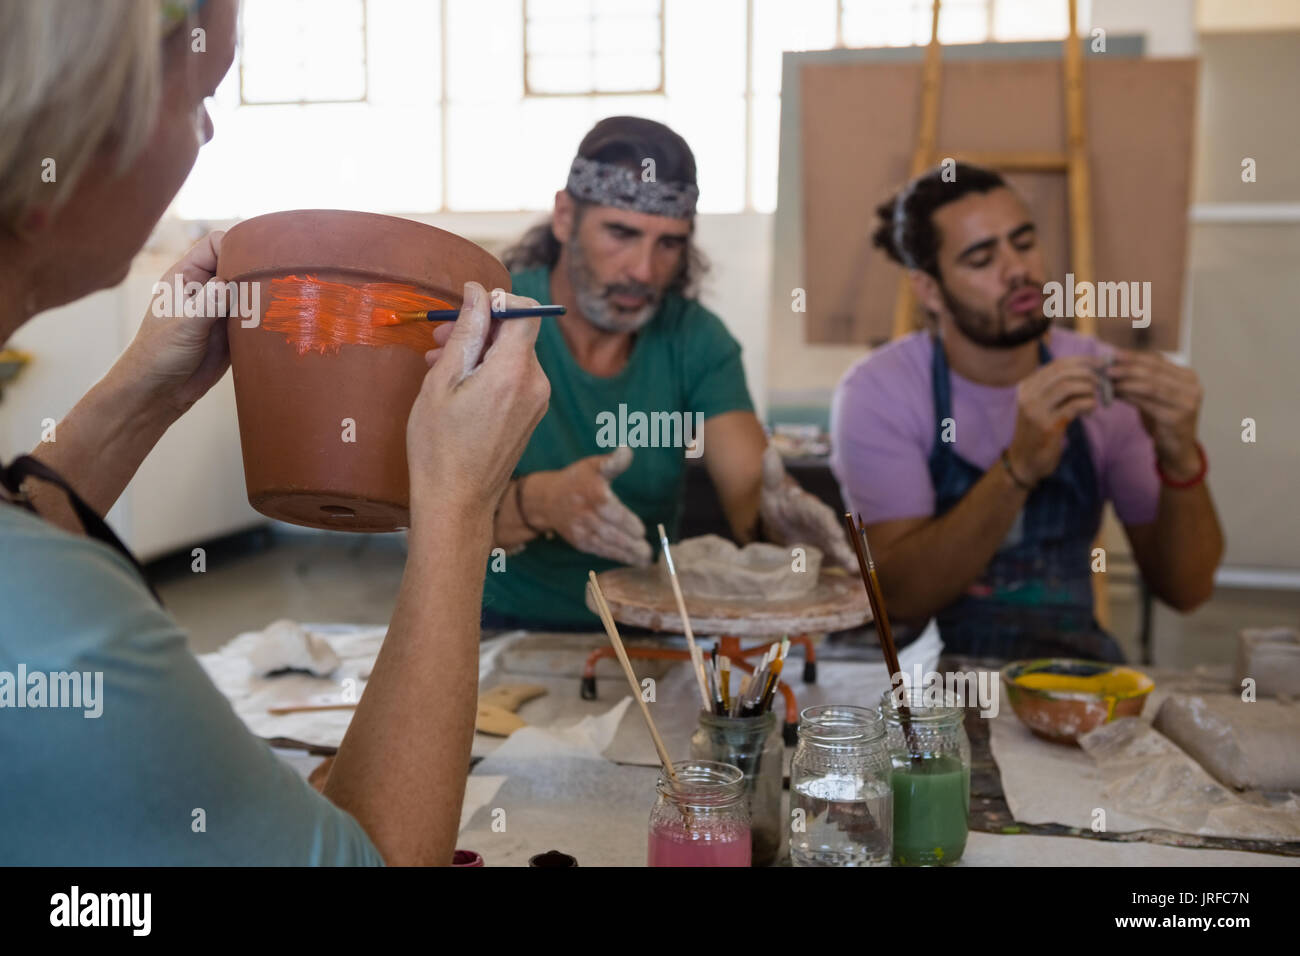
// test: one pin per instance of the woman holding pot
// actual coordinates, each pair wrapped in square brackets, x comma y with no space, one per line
[156,768]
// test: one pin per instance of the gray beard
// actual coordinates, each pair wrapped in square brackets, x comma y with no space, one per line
[594,302]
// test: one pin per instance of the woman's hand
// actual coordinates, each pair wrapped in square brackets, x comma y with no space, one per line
[482,397]
[175,358]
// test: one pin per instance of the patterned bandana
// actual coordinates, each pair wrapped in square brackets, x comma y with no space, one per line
[609,184]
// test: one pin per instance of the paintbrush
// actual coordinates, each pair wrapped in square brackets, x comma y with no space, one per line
[867,566]
[607,618]
[739,700]
[774,678]
[382,317]
[697,658]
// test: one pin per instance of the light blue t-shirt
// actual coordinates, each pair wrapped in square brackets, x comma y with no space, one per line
[124,788]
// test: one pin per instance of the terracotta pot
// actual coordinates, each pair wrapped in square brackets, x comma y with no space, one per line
[293,400]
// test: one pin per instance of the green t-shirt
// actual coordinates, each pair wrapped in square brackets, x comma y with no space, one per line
[683,360]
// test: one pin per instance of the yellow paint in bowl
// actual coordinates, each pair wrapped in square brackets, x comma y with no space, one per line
[1118,682]
[1061,698]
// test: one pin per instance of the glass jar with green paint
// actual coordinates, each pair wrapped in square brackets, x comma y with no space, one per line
[930,779]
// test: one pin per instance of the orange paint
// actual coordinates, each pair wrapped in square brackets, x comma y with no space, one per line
[318,316]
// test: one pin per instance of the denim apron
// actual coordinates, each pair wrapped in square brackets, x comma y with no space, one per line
[1034,599]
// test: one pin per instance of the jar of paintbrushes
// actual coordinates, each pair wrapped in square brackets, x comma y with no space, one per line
[754,745]
[737,727]
[840,806]
[930,779]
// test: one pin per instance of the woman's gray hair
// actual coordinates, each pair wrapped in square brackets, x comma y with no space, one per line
[76,77]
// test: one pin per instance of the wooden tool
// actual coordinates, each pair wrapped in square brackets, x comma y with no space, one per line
[496,708]
[495,717]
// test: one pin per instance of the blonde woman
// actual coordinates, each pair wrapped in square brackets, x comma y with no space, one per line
[113,92]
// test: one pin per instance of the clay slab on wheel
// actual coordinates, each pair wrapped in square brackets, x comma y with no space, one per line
[713,567]
[643,597]
[1249,745]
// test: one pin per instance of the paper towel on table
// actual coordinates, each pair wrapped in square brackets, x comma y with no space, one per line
[1046,782]
[558,793]
[586,738]
[287,645]
[251,695]
[1146,774]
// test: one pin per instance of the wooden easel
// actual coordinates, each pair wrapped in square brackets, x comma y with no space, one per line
[1073,162]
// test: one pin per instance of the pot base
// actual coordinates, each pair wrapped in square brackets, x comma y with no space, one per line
[334,512]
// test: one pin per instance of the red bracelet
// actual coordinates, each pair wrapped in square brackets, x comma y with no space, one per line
[1194,480]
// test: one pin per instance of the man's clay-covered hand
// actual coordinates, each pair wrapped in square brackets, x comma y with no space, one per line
[793,516]
[578,504]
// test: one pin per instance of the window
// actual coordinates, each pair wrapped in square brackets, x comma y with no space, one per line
[870,23]
[425,106]
[302,51]
[581,47]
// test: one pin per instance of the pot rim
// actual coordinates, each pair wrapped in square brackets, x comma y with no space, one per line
[364,244]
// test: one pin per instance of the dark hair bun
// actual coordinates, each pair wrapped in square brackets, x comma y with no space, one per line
[883,237]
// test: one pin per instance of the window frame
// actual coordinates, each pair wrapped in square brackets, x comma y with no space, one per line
[659,90]
[365,67]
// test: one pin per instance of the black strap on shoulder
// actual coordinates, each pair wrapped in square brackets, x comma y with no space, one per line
[24,467]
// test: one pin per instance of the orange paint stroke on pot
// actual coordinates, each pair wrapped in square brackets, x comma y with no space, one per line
[319,316]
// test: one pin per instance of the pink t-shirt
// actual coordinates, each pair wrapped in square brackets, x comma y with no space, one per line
[883,430]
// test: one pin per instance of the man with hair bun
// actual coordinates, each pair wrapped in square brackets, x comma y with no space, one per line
[981,450]
[618,252]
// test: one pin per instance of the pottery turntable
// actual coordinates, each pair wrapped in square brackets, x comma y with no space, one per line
[643,597]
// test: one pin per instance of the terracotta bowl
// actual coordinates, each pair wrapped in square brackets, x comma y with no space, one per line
[293,400]
[1088,694]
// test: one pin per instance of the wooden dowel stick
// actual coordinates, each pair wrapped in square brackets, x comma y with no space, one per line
[307,708]
[612,630]
[697,659]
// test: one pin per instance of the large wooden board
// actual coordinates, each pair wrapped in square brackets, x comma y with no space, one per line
[858,127]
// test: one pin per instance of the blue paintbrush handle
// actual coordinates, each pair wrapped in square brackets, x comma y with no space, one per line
[450,315]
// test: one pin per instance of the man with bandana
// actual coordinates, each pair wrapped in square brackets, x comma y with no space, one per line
[980,451]
[618,253]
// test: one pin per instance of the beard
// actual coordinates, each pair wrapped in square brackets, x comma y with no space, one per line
[994,330]
[595,299]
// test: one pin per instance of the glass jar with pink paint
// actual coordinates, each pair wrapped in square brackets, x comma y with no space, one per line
[701,818]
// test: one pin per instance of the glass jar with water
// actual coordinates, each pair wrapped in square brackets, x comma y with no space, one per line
[840,802]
